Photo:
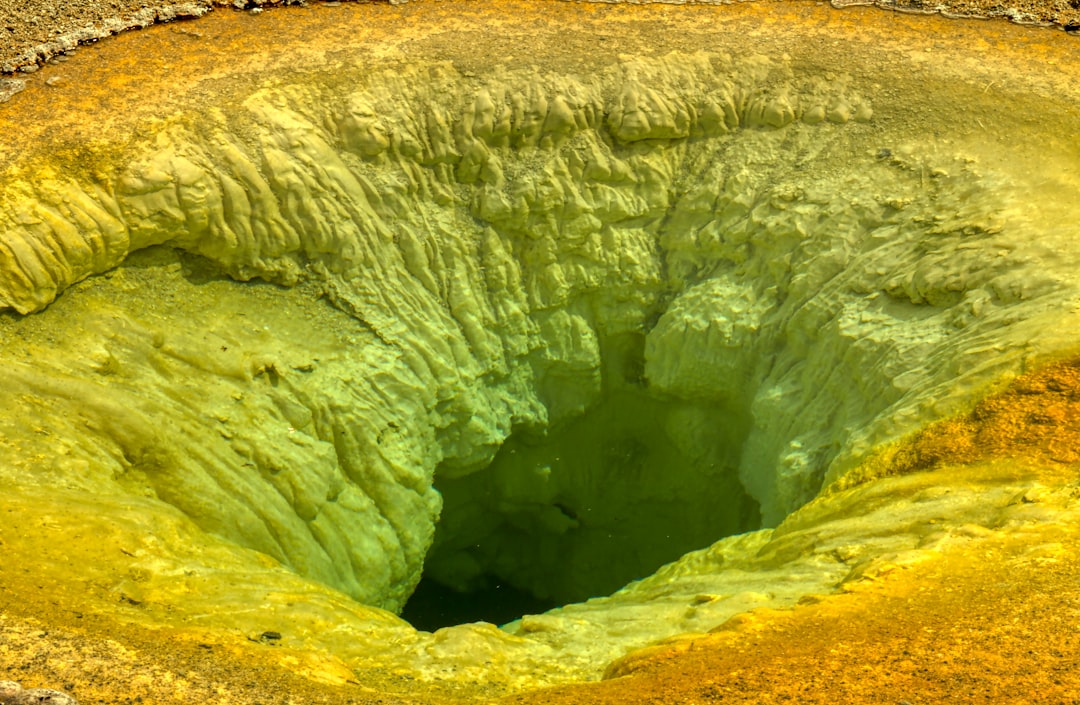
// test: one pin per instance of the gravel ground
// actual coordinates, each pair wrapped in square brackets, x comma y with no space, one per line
[32,31]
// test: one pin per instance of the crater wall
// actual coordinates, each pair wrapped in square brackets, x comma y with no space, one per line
[787,259]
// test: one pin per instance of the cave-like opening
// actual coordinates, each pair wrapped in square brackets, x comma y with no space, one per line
[581,507]
[434,605]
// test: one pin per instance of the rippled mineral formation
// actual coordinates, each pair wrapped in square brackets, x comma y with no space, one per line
[701,312]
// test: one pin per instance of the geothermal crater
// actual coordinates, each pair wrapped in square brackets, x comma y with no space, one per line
[524,328]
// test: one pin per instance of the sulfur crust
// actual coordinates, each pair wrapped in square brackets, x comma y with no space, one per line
[436,244]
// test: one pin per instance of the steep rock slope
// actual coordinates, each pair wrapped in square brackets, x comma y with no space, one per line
[778,264]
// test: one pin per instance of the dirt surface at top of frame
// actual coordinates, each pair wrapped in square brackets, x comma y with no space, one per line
[139,73]
[33,31]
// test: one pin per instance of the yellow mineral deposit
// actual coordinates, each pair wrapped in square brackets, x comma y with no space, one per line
[756,324]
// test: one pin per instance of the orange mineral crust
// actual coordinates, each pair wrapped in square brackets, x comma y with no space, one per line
[942,568]
[1036,419]
[989,621]
[108,88]
[994,625]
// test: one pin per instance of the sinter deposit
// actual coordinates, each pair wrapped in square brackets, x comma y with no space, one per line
[548,326]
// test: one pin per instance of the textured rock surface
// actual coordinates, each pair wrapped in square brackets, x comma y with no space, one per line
[42,29]
[980,610]
[491,234]
[802,256]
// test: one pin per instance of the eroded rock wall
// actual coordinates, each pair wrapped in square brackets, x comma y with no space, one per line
[813,278]
[793,256]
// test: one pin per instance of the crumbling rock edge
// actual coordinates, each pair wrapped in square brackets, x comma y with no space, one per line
[140,19]
[39,54]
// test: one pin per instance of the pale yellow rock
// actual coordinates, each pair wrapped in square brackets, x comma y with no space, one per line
[729,249]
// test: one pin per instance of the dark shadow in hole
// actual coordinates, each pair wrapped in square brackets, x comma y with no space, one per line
[434,605]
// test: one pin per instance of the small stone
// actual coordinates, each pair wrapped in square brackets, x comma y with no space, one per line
[839,114]
[9,87]
[54,81]
[778,113]
[255,11]
[814,115]
[46,696]
[11,693]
